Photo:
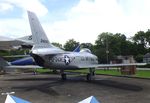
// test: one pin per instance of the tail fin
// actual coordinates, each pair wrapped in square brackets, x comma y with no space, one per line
[77,49]
[38,35]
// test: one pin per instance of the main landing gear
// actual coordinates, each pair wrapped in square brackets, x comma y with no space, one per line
[90,75]
[63,75]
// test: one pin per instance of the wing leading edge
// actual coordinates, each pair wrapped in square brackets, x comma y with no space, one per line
[110,65]
[22,67]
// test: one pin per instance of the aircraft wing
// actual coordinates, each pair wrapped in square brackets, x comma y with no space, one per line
[110,65]
[10,43]
[22,67]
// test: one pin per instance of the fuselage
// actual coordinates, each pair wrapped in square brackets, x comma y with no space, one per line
[46,55]
[67,60]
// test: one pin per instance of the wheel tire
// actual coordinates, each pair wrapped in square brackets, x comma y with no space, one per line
[63,76]
[88,77]
[93,73]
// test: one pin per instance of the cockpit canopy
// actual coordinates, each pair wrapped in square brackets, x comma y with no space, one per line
[85,50]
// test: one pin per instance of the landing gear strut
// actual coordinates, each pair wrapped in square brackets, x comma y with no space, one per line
[63,75]
[90,75]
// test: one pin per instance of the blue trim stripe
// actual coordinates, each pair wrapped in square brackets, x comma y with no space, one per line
[23,61]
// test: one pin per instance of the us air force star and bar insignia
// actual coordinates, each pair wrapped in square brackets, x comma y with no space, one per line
[66,59]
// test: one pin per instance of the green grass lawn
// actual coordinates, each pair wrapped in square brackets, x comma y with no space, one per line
[139,73]
[109,72]
[143,73]
[43,70]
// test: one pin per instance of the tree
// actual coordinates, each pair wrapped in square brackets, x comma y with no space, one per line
[112,45]
[70,45]
[57,45]
[87,45]
[139,58]
[147,35]
[141,39]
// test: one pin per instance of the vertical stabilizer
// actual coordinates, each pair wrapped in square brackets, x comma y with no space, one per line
[77,49]
[38,35]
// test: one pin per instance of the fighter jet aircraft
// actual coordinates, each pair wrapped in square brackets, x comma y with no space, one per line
[10,43]
[25,62]
[48,56]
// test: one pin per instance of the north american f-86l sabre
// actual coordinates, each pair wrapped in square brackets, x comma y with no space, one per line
[48,56]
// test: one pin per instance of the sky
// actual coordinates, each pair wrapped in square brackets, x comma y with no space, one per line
[81,20]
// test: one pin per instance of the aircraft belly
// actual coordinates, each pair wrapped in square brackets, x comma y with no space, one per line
[68,67]
[68,61]
[73,65]
[60,65]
